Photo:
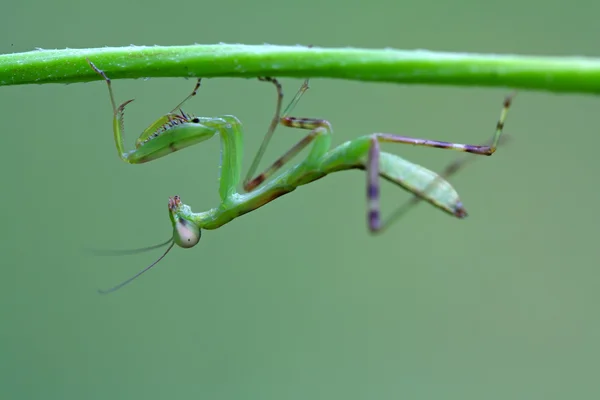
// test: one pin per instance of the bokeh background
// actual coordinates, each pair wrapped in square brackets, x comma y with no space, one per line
[297,300]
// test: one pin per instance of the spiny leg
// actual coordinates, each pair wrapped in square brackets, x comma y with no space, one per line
[272,127]
[167,120]
[373,170]
[171,117]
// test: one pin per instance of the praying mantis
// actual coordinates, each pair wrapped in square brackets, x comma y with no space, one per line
[177,130]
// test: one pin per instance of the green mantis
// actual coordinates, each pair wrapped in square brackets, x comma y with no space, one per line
[177,130]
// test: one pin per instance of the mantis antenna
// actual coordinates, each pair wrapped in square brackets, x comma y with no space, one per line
[125,282]
[127,252]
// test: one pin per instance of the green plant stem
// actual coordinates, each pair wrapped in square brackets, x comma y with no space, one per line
[556,74]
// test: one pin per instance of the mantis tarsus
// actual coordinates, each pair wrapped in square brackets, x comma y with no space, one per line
[177,130]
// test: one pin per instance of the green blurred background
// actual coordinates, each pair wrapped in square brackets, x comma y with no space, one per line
[297,300]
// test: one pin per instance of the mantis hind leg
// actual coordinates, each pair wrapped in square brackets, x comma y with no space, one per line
[486,150]
[451,169]
[424,184]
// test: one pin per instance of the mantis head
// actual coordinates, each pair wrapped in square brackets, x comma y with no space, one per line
[186,234]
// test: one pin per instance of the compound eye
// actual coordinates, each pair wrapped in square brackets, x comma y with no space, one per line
[186,234]
[196,120]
